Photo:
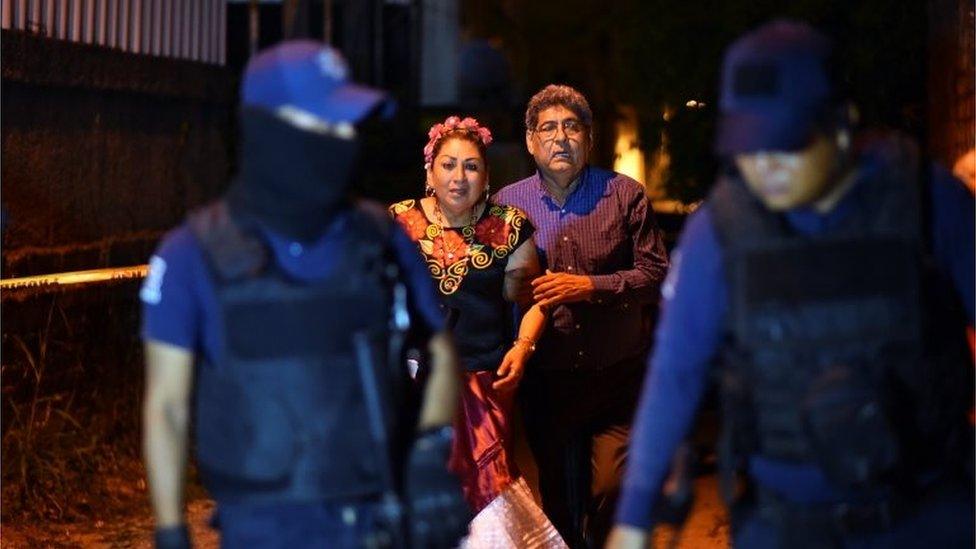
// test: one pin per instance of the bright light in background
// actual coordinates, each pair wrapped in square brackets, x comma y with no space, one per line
[630,160]
[628,157]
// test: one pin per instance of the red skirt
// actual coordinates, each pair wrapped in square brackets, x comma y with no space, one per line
[482,452]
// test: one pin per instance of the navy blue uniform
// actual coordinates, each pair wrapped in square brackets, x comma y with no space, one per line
[689,336]
[180,308]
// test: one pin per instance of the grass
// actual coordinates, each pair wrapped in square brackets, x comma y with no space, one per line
[71,384]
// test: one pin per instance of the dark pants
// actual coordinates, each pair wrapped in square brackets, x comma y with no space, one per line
[578,426]
[945,522]
[296,525]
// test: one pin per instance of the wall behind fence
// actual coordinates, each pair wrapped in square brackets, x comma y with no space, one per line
[952,79]
[104,150]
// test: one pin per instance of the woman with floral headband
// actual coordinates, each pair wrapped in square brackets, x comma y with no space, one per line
[482,257]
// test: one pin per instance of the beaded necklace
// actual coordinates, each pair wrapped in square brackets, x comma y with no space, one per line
[467,231]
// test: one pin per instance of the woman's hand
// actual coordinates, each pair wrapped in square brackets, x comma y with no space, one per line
[513,366]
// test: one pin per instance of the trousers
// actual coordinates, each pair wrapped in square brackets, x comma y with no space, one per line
[297,525]
[578,427]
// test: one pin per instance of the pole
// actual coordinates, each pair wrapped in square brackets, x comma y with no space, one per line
[254,25]
[378,42]
[327,21]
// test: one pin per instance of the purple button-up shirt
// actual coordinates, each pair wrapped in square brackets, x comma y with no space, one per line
[606,230]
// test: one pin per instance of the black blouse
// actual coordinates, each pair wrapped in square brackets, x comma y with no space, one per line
[468,264]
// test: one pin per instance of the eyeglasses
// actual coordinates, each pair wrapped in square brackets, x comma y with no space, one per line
[572,129]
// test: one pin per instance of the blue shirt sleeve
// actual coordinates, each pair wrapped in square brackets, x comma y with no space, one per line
[688,336]
[422,296]
[953,238]
[170,306]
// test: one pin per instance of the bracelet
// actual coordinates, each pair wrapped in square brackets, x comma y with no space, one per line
[526,341]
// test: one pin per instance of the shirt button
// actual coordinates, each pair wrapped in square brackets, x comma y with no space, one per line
[562,210]
[565,239]
[581,353]
[577,326]
[626,305]
[570,268]
[599,301]
[295,249]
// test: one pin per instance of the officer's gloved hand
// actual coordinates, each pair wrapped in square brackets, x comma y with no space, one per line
[172,537]
[438,514]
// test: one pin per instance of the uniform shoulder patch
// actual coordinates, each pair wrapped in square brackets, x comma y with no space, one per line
[151,291]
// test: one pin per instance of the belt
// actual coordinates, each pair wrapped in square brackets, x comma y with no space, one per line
[840,518]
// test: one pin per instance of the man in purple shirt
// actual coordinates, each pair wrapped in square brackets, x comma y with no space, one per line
[605,259]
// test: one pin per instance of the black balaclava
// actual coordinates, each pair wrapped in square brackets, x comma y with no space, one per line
[290,180]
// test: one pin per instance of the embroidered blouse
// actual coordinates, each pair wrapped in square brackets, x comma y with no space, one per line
[468,267]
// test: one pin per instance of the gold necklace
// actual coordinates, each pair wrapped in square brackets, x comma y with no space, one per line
[467,231]
[442,219]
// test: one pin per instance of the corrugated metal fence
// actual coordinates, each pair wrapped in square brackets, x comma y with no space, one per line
[185,29]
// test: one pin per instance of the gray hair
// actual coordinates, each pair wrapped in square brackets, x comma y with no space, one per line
[558,95]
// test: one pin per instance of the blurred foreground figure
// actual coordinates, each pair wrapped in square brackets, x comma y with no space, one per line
[833,278]
[273,309]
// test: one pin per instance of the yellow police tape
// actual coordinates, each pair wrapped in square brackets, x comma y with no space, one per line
[75,277]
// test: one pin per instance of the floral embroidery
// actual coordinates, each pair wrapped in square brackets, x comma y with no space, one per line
[449,247]
[493,231]
[449,253]
[414,223]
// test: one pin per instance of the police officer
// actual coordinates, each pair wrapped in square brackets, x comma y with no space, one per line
[270,310]
[832,277]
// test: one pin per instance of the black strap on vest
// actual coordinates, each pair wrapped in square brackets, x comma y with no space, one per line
[232,252]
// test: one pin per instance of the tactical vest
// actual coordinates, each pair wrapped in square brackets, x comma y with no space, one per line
[281,416]
[844,349]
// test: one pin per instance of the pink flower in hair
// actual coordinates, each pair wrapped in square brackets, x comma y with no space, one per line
[438,131]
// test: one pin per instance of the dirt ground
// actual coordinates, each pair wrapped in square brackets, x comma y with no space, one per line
[125,522]
[133,531]
[707,527]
